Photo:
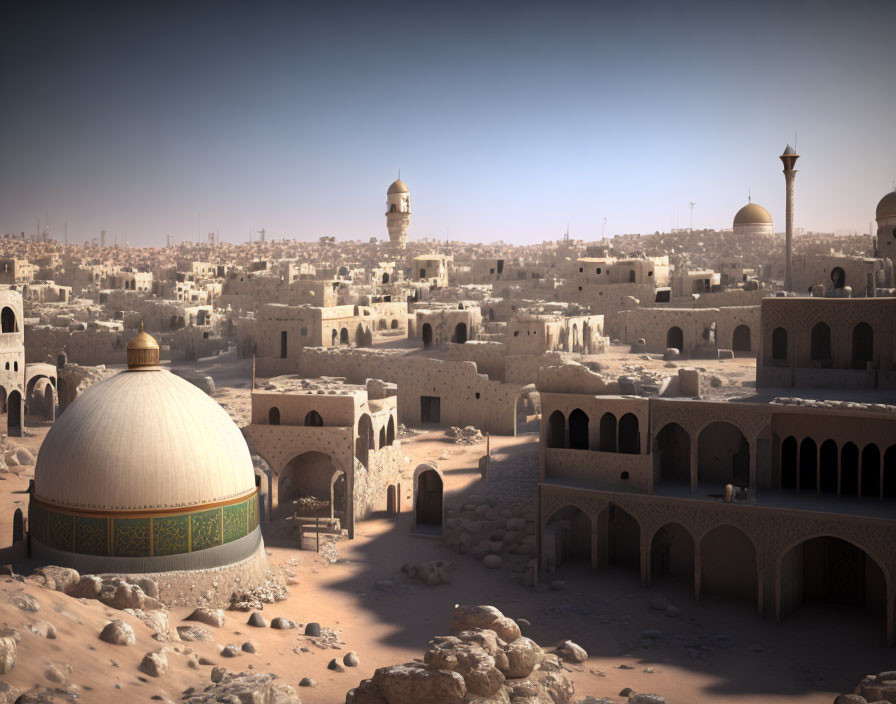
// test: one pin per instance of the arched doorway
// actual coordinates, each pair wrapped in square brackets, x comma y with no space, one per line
[862,346]
[274,416]
[429,498]
[556,430]
[390,431]
[808,465]
[838,277]
[608,432]
[8,321]
[672,554]
[740,340]
[619,538]
[392,499]
[343,337]
[578,430]
[820,342]
[526,412]
[723,456]
[338,497]
[629,436]
[827,467]
[871,471]
[849,470]
[460,333]
[365,440]
[426,333]
[566,539]
[675,338]
[673,454]
[728,564]
[385,277]
[14,414]
[890,473]
[307,474]
[830,571]
[788,463]
[779,344]
[313,419]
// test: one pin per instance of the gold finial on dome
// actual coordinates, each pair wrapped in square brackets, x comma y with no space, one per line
[143,350]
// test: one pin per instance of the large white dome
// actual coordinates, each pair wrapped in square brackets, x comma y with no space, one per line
[143,439]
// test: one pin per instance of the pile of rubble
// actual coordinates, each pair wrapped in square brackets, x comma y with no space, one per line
[268,593]
[840,405]
[465,436]
[487,659]
[873,689]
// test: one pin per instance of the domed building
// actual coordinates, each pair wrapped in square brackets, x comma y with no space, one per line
[144,474]
[753,219]
[886,225]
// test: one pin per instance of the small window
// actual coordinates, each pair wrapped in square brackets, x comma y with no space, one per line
[304,332]
[597,271]
[477,394]
[624,475]
[650,273]
[580,288]
[516,333]
[581,269]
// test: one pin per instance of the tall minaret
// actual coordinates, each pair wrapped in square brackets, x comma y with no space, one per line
[789,158]
[398,213]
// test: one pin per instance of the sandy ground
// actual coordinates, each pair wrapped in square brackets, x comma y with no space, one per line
[717,651]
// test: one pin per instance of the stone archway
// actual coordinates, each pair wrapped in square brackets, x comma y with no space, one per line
[429,496]
[307,474]
[366,440]
[619,538]
[829,571]
[426,333]
[675,338]
[740,340]
[567,538]
[728,564]
[14,414]
[672,452]
[672,552]
[723,456]
[460,333]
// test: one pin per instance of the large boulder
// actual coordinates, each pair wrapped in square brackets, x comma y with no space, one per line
[210,617]
[879,687]
[473,663]
[8,641]
[88,587]
[60,579]
[469,617]
[118,632]
[569,651]
[414,684]
[523,656]
[259,687]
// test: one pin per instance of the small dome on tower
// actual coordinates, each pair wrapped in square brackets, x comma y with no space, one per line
[397,187]
[143,350]
[789,150]
[752,214]
[887,206]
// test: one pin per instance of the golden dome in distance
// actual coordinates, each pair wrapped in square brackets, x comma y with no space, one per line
[143,351]
[887,206]
[752,214]
[397,187]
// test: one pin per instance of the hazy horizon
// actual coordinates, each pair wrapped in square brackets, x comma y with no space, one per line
[507,120]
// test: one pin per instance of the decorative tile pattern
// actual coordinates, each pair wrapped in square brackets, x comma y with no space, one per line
[61,531]
[170,535]
[147,536]
[131,537]
[92,535]
[205,529]
[235,521]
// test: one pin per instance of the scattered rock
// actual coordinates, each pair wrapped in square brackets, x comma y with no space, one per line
[154,664]
[257,620]
[60,579]
[8,651]
[230,651]
[210,617]
[88,587]
[245,687]
[433,573]
[248,647]
[351,659]
[468,617]
[570,652]
[307,682]
[218,674]
[25,602]
[193,634]
[44,629]
[636,698]
[312,629]
[282,624]
[117,632]
[335,665]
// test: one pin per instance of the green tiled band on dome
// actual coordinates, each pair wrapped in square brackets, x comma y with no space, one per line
[145,535]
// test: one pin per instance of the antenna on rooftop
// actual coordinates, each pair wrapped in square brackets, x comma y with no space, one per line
[692,204]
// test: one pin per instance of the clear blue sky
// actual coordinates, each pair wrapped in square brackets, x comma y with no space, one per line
[506,119]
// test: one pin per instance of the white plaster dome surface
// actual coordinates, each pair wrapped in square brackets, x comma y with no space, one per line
[143,440]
